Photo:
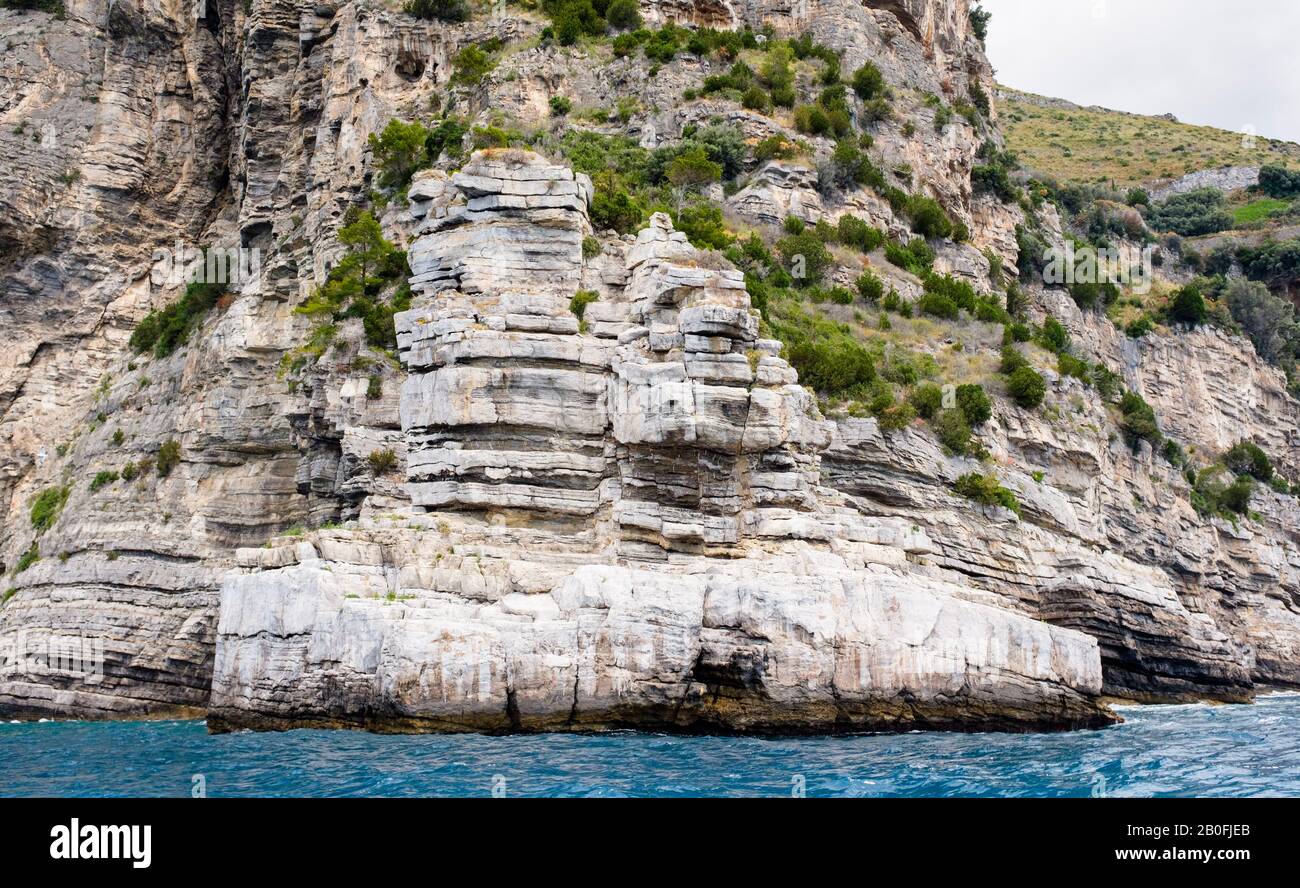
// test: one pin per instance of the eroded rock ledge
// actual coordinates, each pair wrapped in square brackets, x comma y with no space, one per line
[625,523]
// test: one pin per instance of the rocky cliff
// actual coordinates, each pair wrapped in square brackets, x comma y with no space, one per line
[542,516]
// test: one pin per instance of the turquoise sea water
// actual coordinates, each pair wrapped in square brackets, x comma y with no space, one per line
[1159,751]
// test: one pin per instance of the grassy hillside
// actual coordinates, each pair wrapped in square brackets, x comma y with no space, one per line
[1097,146]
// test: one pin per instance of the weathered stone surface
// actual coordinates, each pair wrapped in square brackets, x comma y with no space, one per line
[644,503]
[665,446]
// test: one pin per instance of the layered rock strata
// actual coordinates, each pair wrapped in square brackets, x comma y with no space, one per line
[639,496]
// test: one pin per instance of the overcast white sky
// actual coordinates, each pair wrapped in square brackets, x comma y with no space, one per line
[1224,63]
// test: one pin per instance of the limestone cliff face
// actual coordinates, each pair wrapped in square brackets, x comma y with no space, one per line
[635,519]
[642,509]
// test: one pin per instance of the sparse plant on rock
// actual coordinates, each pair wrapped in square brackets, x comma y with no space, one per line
[382,461]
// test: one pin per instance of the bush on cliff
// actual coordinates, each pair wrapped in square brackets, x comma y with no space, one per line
[471,65]
[928,218]
[1218,492]
[1268,320]
[1026,387]
[927,399]
[1197,212]
[703,226]
[1279,182]
[1188,306]
[169,457]
[985,490]
[102,479]
[806,258]
[953,431]
[28,558]
[868,82]
[53,7]
[438,10]
[828,358]
[397,152]
[974,404]
[167,329]
[1248,458]
[356,286]
[623,15]
[1139,421]
[46,507]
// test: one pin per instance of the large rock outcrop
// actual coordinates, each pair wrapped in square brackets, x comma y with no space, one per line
[640,497]
[581,517]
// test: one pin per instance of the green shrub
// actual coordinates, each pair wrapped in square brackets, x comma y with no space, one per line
[130,471]
[1275,263]
[993,176]
[623,15]
[1012,360]
[870,287]
[1139,421]
[471,65]
[1054,338]
[938,305]
[28,558]
[355,286]
[448,136]
[1279,182]
[704,227]
[167,329]
[928,218]
[1026,387]
[1218,492]
[47,506]
[1194,213]
[439,10]
[1094,295]
[1267,319]
[103,479]
[868,82]
[1141,327]
[169,457]
[848,167]
[828,358]
[397,152]
[927,399]
[692,169]
[806,257]
[382,461]
[1188,306]
[974,404]
[959,292]
[896,418]
[560,106]
[1236,498]
[853,232]
[953,431]
[915,256]
[979,22]
[1068,365]
[755,98]
[578,304]
[985,490]
[591,248]
[1247,458]
[618,210]
[1173,453]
